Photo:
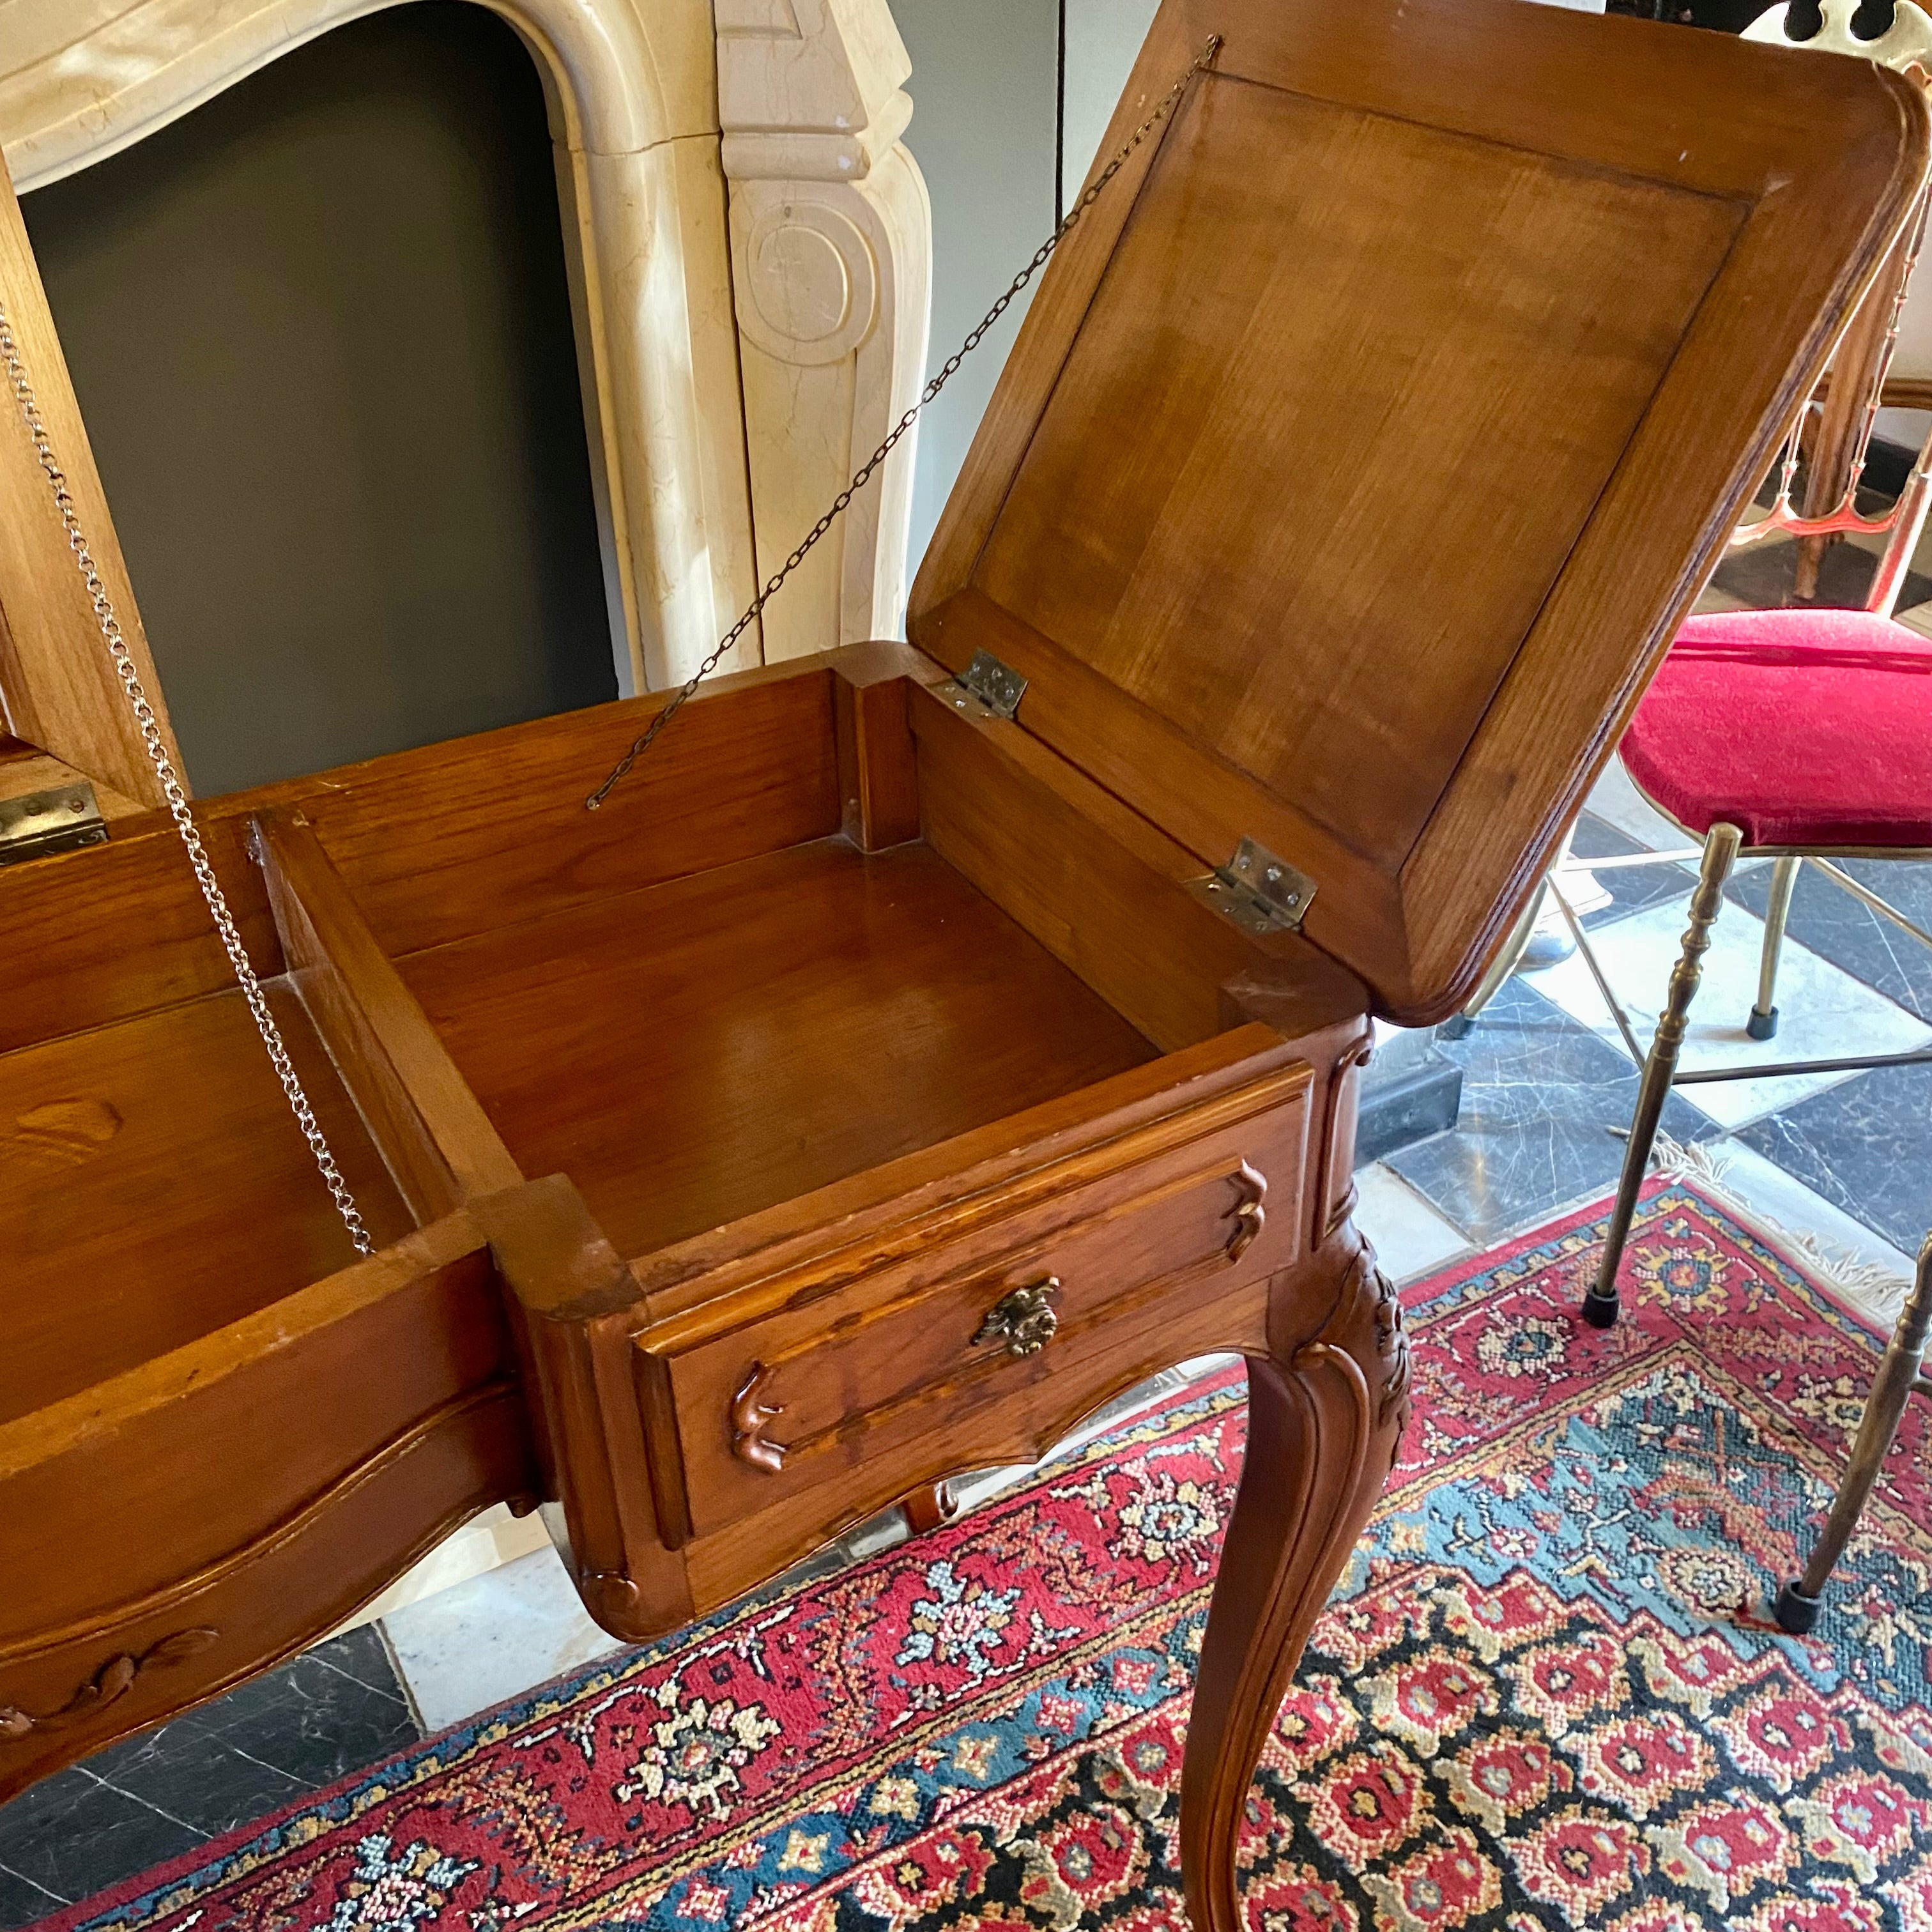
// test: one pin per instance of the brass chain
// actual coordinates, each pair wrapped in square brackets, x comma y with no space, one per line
[863,475]
[150,728]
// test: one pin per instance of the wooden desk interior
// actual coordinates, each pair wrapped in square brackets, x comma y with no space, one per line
[151,1191]
[694,1052]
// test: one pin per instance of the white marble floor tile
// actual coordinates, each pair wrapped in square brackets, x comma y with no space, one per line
[1767,1192]
[485,1543]
[1822,1011]
[1918,618]
[1410,1238]
[492,1637]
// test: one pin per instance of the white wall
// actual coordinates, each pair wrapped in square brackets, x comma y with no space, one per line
[983,90]
[1102,38]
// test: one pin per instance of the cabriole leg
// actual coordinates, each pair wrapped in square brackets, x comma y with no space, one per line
[1721,854]
[1762,1024]
[1898,1371]
[1324,1422]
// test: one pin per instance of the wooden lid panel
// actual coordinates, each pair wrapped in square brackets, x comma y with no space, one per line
[1282,495]
[1369,437]
[58,690]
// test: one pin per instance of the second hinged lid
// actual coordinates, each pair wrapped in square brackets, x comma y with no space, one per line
[1373,431]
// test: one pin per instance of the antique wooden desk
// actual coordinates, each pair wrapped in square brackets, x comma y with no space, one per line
[880,1081]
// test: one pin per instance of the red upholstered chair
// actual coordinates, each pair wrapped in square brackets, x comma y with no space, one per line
[1806,736]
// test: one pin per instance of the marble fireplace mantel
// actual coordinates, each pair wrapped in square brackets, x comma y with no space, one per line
[750,268]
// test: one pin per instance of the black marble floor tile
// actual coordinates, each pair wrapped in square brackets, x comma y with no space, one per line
[310,1721]
[21,1903]
[1828,919]
[1541,1095]
[1865,1145]
[361,1655]
[153,1797]
[1631,889]
[210,1783]
[71,1834]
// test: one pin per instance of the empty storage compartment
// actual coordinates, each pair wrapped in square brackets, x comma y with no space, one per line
[695,1051]
[153,1187]
[198,1472]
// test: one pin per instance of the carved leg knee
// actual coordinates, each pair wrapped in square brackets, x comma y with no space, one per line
[1324,1419]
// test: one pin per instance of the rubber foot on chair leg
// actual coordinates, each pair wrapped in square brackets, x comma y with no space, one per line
[1457,1026]
[1600,1310]
[1794,1611]
[1762,1026]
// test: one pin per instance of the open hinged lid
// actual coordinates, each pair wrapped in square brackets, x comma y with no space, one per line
[1372,432]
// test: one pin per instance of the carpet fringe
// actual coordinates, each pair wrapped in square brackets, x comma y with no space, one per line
[1872,1288]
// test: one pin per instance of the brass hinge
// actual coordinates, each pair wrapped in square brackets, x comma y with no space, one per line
[986,684]
[1258,892]
[41,822]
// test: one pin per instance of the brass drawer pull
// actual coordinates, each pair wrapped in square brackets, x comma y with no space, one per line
[1024,1320]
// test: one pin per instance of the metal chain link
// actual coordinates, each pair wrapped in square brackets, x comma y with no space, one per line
[863,475]
[177,798]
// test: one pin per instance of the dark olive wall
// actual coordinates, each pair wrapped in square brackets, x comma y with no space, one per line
[321,334]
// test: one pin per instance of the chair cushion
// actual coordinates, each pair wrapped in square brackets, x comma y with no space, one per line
[1810,728]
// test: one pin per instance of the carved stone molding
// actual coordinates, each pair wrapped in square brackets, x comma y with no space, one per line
[831,259]
[673,400]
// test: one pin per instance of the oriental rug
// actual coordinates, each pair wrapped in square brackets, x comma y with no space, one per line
[1546,1694]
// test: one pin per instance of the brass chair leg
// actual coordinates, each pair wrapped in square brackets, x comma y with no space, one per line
[1660,1063]
[1798,1602]
[1503,965]
[1762,1024]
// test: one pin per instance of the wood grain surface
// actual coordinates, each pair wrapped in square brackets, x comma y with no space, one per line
[153,1187]
[695,1051]
[1357,458]
[1347,504]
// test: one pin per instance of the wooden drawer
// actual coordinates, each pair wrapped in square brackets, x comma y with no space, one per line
[160,1577]
[903,1358]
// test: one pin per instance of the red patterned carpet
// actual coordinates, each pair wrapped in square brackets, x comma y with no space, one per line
[1546,1694]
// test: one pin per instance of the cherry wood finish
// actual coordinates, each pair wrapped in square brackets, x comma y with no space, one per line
[1327,1402]
[441,1142]
[61,694]
[251,1487]
[1222,507]
[763,1391]
[865,1094]
[123,1155]
[695,1051]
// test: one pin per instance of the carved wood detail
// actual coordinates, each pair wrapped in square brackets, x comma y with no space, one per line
[1325,1417]
[290,1530]
[1250,1217]
[111,1682]
[748,1417]
[609,1595]
[1391,1344]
